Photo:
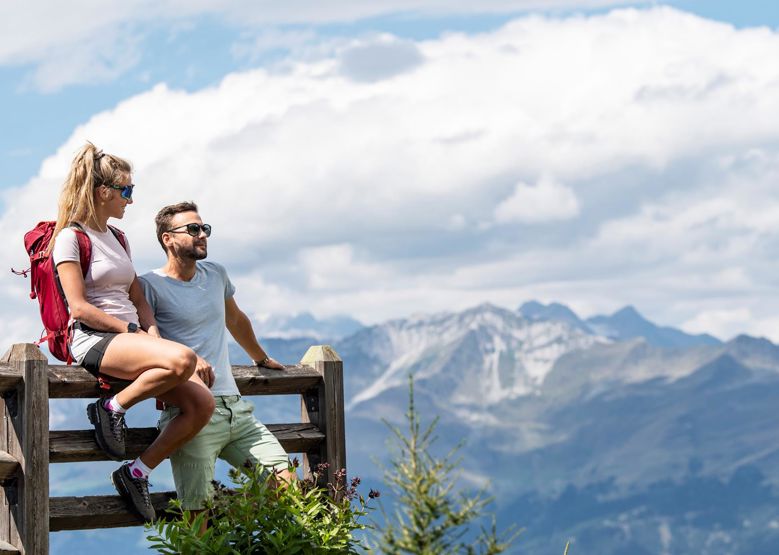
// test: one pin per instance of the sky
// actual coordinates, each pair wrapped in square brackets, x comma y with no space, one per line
[380,159]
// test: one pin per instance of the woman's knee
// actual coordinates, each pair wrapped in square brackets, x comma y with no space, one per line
[182,363]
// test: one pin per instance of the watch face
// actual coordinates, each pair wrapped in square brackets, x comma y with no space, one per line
[132,328]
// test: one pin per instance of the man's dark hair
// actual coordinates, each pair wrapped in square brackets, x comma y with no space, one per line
[165,215]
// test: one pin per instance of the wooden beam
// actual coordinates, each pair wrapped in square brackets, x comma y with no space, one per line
[80,445]
[72,382]
[8,465]
[10,376]
[99,511]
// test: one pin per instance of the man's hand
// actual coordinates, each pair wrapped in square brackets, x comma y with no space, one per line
[273,364]
[204,371]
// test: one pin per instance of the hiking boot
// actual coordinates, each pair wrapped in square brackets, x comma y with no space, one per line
[133,490]
[109,429]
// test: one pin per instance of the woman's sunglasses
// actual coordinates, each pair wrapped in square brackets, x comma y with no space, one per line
[127,190]
[192,229]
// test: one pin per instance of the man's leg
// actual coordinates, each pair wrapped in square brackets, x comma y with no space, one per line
[251,441]
[193,463]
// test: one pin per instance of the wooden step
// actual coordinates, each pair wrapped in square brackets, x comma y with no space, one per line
[7,549]
[80,445]
[99,511]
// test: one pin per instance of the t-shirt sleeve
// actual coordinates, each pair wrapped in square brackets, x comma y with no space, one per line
[149,293]
[229,287]
[66,247]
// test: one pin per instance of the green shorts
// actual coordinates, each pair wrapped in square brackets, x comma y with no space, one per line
[233,434]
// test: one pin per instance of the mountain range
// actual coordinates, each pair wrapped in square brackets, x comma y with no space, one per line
[616,433]
[612,432]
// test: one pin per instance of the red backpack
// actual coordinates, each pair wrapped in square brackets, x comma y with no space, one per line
[45,283]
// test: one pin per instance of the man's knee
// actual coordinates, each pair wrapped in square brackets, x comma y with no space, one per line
[197,403]
[205,406]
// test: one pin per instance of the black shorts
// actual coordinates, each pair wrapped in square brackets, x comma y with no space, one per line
[94,356]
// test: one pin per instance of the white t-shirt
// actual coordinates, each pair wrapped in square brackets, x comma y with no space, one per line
[110,274]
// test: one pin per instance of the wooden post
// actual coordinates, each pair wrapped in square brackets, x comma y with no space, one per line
[25,436]
[324,407]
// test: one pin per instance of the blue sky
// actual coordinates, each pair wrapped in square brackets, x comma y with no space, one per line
[369,167]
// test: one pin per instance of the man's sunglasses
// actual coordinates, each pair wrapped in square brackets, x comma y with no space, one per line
[192,229]
[127,190]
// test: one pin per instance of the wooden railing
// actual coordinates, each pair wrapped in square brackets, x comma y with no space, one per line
[27,446]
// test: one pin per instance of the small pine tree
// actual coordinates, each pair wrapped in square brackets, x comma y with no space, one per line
[430,518]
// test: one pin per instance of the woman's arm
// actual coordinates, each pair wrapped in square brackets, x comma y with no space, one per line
[80,309]
[145,313]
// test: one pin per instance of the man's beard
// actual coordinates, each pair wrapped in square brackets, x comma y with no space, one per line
[191,253]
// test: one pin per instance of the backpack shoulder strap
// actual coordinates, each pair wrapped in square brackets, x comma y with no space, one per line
[84,247]
[120,236]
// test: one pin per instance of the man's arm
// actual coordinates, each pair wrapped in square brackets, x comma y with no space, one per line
[240,327]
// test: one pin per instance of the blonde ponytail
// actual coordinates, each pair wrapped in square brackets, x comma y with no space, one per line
[90,169]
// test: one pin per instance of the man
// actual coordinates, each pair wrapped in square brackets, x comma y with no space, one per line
[193,304]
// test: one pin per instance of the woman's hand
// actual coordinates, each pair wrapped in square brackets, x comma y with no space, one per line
[204,371]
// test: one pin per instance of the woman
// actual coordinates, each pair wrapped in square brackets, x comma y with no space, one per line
[114,332]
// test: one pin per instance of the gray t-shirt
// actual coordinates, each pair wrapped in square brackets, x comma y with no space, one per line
[193,314]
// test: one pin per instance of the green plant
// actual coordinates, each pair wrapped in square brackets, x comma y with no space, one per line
[430,518]
[259,517]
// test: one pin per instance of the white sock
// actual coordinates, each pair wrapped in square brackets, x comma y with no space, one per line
[113,404]
[139,470]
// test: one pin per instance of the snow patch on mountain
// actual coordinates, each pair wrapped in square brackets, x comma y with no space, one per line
[481,356]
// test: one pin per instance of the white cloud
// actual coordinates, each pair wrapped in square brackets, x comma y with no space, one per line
[253,45]
[664,124]
[546,200]
[380,58]
[719,322]
[84,41]
[334,267]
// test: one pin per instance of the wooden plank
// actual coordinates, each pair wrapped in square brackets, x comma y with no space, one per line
[99,511]
[80,445]
[71,382]
[330,414]
[10,377]
[7,549]
[8,465]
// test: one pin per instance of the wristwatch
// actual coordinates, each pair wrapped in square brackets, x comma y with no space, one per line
[132,327]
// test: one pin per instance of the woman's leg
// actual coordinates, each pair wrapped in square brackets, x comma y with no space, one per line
[162,369]
[154,366]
